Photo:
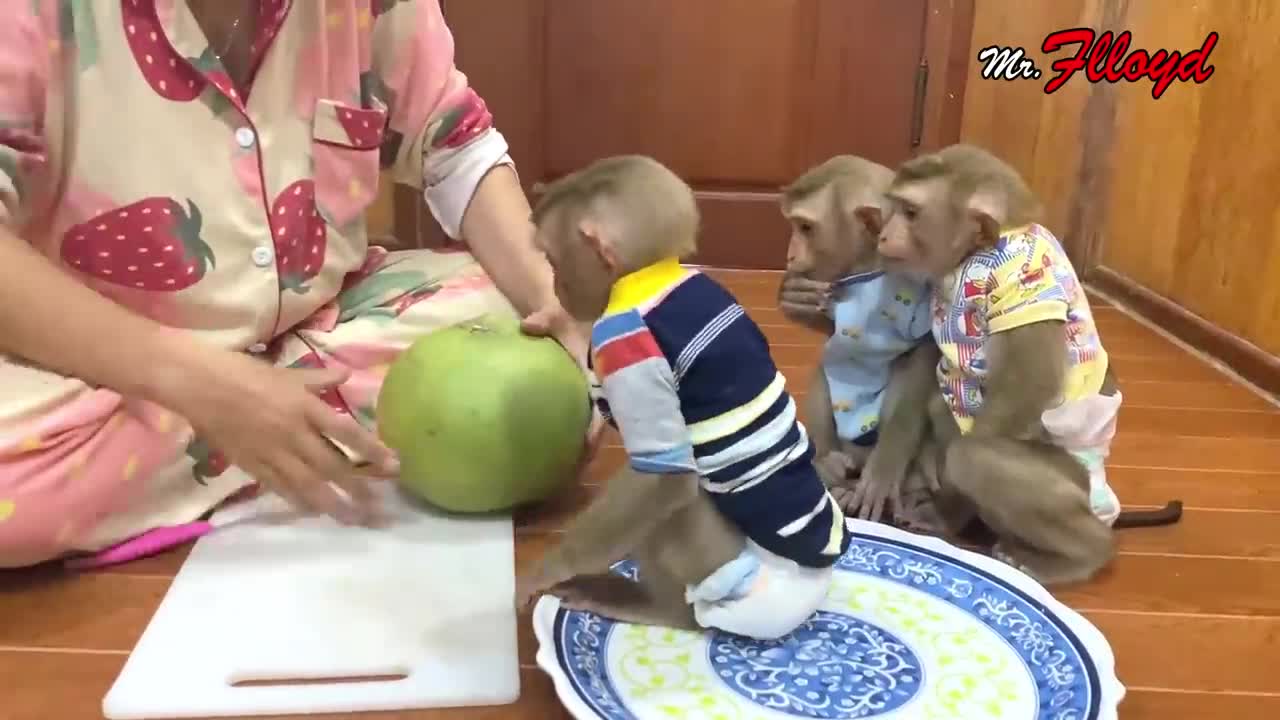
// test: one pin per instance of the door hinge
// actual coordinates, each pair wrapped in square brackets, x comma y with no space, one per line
[917,111]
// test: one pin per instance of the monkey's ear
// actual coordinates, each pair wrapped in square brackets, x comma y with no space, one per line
[871,217]
[989,208]
[592,235]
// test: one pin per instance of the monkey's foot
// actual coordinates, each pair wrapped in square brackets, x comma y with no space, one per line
[586,592]
[999,553]
[623,600]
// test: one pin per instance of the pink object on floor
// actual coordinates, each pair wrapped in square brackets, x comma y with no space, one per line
[148,543]
[154,542]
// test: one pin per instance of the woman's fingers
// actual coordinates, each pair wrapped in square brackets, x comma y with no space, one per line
[316,468]
[352,435]
[275,482]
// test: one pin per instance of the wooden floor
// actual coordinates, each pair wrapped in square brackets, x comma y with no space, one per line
[1192,611]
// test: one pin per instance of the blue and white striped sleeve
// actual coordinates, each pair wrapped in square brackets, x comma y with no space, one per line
[639,385]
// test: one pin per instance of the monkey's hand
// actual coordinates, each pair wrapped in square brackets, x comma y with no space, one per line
[873,493]
[836,469]
[807,302]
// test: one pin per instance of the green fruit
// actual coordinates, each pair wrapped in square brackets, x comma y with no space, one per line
[483,417]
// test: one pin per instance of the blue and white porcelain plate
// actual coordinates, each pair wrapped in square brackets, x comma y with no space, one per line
[913,629]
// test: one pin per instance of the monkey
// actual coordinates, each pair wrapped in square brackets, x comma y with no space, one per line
[719,505]
[876,323]
[1023,378]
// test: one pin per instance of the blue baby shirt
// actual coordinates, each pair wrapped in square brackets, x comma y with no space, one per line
[878,316]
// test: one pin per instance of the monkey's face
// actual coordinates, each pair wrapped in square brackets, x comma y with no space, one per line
[920,231]
[582,269]
[824,246]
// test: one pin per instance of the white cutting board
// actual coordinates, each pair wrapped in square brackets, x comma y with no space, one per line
[270,596]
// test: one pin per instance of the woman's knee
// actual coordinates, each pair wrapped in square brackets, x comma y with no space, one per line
[63,472]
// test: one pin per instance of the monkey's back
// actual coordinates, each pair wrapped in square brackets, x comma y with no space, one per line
[754,457]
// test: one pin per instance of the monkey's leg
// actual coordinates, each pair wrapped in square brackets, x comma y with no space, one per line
[1034,496]
[683,551]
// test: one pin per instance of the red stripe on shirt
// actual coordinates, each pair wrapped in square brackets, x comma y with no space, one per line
[624,351]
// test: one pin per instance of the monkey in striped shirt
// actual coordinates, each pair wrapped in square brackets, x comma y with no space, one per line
[719,505]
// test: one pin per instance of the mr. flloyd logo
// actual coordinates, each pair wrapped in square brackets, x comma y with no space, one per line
[1103,57]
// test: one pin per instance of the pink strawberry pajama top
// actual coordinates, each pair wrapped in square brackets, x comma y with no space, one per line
[127,157]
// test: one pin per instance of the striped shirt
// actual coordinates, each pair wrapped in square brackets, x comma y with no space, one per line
[688,380]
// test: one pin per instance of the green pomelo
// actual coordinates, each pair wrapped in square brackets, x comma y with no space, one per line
[483,417]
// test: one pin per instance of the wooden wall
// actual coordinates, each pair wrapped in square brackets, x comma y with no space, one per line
[1171,201]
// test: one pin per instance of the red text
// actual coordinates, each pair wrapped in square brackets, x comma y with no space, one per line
[1103,57]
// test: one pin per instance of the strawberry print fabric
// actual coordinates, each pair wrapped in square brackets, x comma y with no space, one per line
[127,157]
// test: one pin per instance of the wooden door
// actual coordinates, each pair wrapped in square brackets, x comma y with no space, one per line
[737,96]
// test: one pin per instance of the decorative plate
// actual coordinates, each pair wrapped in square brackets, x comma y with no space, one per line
[913,629]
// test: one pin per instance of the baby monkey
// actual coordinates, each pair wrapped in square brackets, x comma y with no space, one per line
[1025,402]
[863,409]
[719,505]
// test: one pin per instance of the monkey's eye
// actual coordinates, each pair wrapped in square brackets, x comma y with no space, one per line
[805,227]
[909,212]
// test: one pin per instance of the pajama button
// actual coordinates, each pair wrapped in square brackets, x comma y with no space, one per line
[244,137]
[262,256]
[258,348]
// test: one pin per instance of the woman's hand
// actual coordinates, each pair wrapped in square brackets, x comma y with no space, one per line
[573,336]
[806,301]
[270,422]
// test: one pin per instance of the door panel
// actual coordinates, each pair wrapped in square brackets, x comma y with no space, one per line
[738,97]
[711,94]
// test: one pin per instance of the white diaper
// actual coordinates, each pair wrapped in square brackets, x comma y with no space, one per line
[759,595]
[1085,428]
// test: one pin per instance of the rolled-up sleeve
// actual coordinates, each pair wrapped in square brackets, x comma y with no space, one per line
[24,56]
[447,142]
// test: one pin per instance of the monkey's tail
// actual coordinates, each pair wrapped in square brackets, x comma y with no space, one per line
[1167,515]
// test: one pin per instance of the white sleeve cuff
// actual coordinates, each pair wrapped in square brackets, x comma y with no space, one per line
[451,177]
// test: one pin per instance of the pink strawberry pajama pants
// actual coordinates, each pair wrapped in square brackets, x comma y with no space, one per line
[86,472]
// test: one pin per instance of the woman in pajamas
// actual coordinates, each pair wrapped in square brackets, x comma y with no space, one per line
[188,298]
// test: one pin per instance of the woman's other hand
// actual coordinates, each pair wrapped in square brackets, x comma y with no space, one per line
[555,323]
[271,423]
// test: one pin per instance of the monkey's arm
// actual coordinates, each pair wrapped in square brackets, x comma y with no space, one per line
[903,419]
[1025,376]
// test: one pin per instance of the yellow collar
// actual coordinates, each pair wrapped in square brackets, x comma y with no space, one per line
[634,289]
[1016,230]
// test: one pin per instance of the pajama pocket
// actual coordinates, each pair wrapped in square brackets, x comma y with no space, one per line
[345,158]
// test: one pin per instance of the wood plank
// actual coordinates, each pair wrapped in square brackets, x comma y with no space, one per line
[1252,362]
[70,686]
[1209,533]
[1196,453]
[1161,704]
[1243,424]
[93,612]
[1189,652]
[1213,490]
[1152,583]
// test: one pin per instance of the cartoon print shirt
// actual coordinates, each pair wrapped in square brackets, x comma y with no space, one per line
[127,157]
[1025,278]
[878,317]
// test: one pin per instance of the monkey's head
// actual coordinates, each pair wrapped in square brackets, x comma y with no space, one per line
[610,218]
[942,207]
[828,241]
